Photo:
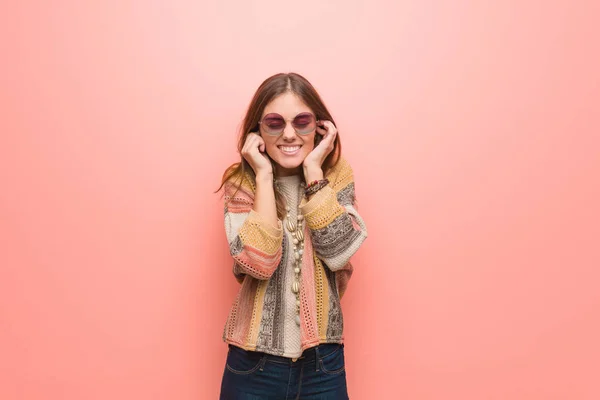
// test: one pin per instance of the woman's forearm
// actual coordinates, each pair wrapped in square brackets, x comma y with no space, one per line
[264,199]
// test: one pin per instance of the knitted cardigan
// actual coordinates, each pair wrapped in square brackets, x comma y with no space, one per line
[333,233]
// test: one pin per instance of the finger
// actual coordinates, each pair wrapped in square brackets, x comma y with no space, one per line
[250,144]
[329,126]
[330,131]
[249,137]
[261,146]
[251,140]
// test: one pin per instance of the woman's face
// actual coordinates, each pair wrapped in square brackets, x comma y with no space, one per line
[288,149]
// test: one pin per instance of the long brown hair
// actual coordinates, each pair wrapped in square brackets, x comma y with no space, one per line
[267,91]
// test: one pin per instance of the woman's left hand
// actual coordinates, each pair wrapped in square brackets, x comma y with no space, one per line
[316,157]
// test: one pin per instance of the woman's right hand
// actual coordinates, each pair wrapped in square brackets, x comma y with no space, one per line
[254,151]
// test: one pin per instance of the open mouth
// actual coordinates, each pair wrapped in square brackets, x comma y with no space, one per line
[289,150]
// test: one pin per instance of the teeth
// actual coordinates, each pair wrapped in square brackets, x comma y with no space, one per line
[289,149]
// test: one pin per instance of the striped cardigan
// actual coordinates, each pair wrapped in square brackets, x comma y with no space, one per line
[333,233]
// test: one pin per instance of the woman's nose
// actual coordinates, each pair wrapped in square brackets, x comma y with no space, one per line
[289,132]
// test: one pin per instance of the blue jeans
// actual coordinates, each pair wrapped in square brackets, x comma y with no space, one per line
[319,374]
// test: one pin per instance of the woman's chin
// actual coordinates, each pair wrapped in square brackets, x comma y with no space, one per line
[290,165]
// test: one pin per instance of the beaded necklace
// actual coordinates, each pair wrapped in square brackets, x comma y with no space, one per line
[296,229]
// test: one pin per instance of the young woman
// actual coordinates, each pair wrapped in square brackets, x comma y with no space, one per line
[292,226]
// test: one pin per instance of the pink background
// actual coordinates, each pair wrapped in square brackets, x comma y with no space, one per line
[474,134]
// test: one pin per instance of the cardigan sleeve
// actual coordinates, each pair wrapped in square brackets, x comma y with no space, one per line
[254,243]
[337,230]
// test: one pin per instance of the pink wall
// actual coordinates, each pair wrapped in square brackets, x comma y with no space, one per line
[473,132]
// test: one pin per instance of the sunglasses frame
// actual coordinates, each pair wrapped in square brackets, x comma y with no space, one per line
[260,123]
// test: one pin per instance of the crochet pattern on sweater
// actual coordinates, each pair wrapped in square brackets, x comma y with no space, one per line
[259,318]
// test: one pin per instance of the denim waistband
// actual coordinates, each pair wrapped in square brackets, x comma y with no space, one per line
[308,355]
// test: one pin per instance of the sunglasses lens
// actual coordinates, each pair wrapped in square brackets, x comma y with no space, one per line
[273,123]
[304,123]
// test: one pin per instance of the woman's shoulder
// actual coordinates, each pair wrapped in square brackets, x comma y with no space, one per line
[240,181]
